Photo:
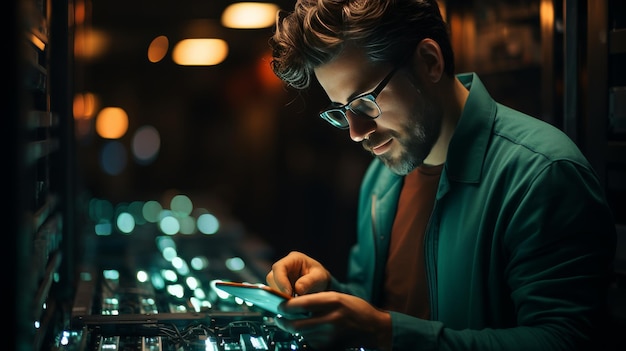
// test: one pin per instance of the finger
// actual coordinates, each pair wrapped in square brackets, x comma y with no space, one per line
[278,279]
[292,312]
[269,279]
[310,283]
[293,325]
[317,303]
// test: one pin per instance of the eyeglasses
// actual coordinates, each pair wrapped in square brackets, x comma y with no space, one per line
[363,105]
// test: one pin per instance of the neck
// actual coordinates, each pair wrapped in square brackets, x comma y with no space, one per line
[452,107]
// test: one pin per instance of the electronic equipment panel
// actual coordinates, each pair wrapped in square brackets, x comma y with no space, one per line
[119,311]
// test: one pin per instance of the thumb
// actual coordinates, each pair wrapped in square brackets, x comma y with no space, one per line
[308,284]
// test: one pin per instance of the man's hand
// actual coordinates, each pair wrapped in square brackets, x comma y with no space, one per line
[337,321]
[298,274]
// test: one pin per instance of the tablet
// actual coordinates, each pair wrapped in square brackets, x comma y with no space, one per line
[257,294]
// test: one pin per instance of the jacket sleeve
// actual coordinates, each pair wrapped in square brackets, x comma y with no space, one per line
[559,244]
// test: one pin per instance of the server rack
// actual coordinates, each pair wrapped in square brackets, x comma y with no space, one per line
[599,122]
[41,169]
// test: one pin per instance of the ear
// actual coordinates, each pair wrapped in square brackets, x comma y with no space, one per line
[430,60]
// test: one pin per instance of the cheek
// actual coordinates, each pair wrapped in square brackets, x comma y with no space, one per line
[399,104]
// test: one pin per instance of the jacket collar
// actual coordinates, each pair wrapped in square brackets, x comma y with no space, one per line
[468,146]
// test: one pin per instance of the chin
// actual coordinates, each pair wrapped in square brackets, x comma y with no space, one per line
[399,167]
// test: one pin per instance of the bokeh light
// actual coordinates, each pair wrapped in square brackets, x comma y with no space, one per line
[181,218]
[181,205]
[158,48]
[146,144]
[112,123]
[125,222]
[247,15]
[200,52]
[151,210]
[235,263]
[113,158]
[208,223]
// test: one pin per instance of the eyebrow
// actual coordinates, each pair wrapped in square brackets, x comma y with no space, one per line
[384,82]
[357,93]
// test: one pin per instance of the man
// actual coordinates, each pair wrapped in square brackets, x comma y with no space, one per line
[479,227]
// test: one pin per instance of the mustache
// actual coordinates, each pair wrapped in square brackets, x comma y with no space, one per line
[377,139]
[368,144]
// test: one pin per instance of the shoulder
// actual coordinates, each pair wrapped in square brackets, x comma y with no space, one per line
[526,136]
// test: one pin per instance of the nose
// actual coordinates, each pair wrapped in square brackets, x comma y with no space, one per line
[360,127]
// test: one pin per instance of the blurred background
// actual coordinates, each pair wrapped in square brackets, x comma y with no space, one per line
[153,134]
[228,135]
[225,132]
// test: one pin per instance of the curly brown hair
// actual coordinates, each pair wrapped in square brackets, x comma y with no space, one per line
[316,31]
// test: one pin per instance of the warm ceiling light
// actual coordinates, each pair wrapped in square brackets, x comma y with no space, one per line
[249,15]
[200,52]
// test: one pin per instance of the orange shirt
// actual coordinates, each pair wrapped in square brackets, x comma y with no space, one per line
[406,288]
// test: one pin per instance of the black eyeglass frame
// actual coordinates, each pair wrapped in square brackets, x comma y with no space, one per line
[371,96]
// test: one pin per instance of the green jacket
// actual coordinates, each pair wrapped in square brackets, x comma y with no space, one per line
[519,246]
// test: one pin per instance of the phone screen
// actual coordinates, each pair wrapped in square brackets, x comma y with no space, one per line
[257,294]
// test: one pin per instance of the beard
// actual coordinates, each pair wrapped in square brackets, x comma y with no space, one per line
[416,139]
